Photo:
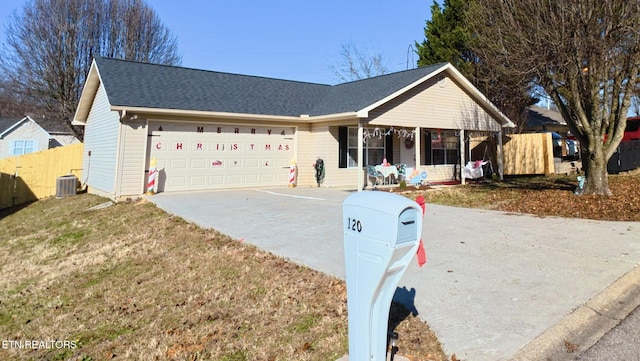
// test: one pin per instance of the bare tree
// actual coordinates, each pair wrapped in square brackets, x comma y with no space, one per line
[584,53]
[50,46]
[12,105]
[355,63]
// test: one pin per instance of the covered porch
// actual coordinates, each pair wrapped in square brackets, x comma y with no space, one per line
[415,155]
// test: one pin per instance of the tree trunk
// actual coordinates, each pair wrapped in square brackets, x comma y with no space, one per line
[597,181]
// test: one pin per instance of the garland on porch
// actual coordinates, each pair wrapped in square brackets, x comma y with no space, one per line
[379,133]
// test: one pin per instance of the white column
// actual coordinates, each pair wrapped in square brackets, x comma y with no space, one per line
[360,166]
[417,147]
[500,155]
[462,157]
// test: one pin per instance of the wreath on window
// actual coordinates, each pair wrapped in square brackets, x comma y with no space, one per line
[409,143]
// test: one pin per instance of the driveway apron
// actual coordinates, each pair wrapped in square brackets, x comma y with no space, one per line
[494,281]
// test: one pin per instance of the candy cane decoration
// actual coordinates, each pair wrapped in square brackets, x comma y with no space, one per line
[151,184]
[293,172]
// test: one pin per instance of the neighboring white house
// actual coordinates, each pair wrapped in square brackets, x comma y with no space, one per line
[212,130]
[20,136]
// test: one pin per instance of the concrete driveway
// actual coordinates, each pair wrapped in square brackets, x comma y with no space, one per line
[497,286]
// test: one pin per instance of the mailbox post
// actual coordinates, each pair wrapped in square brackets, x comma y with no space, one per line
[381,235]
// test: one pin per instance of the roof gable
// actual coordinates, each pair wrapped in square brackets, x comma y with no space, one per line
[17,124]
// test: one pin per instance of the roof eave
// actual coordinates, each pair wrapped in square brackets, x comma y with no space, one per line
[332,117]
[132,110]
[88,95]
[13,126]
[19,122]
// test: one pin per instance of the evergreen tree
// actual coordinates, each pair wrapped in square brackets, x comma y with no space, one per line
[447,38]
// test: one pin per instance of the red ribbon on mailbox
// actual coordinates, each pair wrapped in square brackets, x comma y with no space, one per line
[422,254]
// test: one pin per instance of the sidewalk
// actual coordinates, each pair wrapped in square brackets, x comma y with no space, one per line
[494,282]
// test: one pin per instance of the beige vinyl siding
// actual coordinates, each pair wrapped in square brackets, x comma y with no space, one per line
[132,159]
[342,177]
[321,140]
[438,103]
[305,155]
[101,139]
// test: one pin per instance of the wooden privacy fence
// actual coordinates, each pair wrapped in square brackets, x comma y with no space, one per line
[33,176]
[524,154]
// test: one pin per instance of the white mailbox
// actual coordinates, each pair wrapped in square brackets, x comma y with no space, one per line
[381,235]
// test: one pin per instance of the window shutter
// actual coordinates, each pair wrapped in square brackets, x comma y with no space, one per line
[343,135]
[427,149]
[389,148]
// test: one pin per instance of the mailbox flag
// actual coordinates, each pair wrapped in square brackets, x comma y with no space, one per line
[422,254]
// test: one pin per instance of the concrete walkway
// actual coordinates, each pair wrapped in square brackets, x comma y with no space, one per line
[497,286]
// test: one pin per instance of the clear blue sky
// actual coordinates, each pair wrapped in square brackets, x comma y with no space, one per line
[288,39]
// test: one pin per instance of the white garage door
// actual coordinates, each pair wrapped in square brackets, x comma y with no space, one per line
[200,156]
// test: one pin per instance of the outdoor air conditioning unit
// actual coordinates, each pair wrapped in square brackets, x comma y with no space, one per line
[66,185]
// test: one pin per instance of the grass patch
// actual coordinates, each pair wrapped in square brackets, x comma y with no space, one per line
[68,238]
[135,283]
[235,356]
[304,323]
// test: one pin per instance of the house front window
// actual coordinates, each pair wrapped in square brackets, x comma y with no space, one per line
[445,147]
[374,149]
[21,147]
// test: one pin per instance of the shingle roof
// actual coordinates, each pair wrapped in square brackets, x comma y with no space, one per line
[53,126]
[6,123]
[356,95]
[541,118]
[169,87]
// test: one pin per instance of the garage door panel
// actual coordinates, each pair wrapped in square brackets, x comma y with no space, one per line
[284,162]
[251,179]
[177,181]
[197,181]
[198,163]
[178,163]
[216,180]
[267,178]
[234,179]
[206,156]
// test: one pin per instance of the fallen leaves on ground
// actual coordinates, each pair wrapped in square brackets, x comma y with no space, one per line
[545,196]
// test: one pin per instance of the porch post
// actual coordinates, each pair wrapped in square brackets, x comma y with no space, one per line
[500,155]
[462,152]
[417,148]
[360,157]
